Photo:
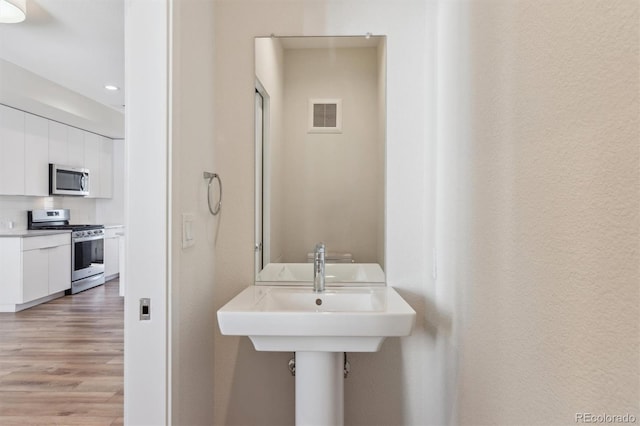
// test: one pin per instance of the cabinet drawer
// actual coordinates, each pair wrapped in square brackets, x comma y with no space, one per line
[113,232]
[34,243]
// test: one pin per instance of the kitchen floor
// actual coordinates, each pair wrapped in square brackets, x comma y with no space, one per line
[61,363]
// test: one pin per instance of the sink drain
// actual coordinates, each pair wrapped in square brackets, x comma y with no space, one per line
[318,302]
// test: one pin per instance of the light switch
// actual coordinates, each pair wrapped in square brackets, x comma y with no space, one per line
[188,237]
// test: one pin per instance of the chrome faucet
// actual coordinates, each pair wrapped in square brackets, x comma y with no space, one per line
[318,268]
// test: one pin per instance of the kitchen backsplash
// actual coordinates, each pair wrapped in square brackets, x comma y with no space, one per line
[13,209]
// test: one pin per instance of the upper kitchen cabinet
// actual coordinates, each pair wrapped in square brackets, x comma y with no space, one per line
[98,158]
[36,148]
[28,143]
[66,145]
[92,162]
[58,150]
[11,151]
[106,168]
[75,147]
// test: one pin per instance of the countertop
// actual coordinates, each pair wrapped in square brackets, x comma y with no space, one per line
[20,233]
[113,225]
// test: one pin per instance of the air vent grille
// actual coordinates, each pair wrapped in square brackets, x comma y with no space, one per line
[325,115]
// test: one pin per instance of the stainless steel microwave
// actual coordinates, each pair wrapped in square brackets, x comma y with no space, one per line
[65,180]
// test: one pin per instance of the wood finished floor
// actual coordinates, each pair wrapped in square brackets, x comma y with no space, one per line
[61,363]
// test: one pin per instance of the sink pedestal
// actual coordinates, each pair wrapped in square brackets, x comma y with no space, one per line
[319,388]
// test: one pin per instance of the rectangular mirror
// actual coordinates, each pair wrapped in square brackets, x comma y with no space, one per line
[320,115]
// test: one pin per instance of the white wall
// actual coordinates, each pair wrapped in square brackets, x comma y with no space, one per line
[331,179]
[29,92]
[401,384]
[147,343]
[192,310]
[541,224]
[14,209]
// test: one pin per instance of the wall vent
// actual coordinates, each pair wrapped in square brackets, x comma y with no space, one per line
[325,115]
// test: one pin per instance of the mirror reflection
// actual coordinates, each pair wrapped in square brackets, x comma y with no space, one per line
[320,157]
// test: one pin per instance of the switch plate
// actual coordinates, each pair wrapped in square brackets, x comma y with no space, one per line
[188,237]
[145,309]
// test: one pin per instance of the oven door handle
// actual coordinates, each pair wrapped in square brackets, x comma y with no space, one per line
[91,238]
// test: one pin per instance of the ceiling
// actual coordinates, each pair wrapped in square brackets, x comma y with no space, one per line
[78,44]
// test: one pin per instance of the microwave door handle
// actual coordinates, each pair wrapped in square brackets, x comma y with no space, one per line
[83,182]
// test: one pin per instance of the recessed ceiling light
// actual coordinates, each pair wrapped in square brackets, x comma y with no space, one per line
[12,11]
[111,87]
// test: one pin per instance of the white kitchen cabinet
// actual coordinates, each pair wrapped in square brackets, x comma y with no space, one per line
[75,147]
[34,270]
[92,149]
[35,274]
[58,148]
[106,168]
[36,149]
[28,144]
[59,268]
[11,151]
[98,158]
[66,145]
[112,251]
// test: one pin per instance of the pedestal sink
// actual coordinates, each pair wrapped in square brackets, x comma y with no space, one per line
[319,328]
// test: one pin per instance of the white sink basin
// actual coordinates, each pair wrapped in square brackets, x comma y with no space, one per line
[339,300]
[342,319]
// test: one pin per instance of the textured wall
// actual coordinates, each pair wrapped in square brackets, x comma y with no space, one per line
[552,261]
[192,271]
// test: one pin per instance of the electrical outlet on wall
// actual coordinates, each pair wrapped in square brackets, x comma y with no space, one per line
[188,235]
[6,224]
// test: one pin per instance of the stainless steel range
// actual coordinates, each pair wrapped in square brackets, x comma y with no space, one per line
[87,246]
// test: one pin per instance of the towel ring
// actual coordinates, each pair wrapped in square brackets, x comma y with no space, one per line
[211,177]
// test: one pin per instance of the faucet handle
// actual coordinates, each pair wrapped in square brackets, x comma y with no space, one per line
[320,247]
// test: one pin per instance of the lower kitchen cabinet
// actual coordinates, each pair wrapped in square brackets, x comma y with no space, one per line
[59,268]
[112,236]
[35,274]
[35,270]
